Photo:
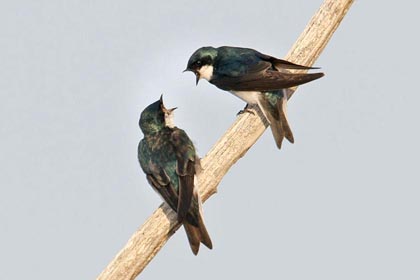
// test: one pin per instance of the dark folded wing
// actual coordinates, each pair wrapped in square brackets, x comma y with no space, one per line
[185,155]
[281,64]
[262,77]
[156,176]
[161,182]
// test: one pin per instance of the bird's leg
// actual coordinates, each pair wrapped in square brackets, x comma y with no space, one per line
[245,110]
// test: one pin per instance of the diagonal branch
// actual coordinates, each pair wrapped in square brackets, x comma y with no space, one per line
[162,224]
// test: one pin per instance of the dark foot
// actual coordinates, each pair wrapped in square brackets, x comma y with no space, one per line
[245,110]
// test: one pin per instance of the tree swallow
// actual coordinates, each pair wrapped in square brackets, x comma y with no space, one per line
[167,156]
[255,78]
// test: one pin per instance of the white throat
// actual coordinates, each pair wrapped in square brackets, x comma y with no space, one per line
[206,72]
[169,119]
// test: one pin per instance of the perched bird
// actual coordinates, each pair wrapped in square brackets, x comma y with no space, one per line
[255,78]
[167,156]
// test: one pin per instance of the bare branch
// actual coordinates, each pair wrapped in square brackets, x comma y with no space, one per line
[147,241]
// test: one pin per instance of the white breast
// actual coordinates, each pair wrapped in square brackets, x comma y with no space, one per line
[250,97]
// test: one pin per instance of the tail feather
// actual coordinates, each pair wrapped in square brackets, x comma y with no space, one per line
[277,117]
[282,107]
[193,234]
[197,235]
[194,225]
[277,131]
[205,237]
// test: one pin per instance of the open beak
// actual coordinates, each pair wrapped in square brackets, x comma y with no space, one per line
[163,106]
[168,111]
[197,78]
[197,75]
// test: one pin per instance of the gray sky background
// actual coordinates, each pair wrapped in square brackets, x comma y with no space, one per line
[341,203]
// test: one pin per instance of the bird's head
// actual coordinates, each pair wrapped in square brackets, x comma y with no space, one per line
[201,63]
[155,117]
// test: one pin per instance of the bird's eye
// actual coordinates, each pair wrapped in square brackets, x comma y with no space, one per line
[198,62]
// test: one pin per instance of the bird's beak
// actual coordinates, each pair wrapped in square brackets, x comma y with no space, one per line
[197,78]
[197,75]
[172,109]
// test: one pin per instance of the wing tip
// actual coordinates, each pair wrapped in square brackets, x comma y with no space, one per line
[314,68]
[309,77]
[318,75]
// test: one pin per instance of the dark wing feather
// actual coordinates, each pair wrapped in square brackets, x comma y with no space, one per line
[156,176]
[166,191]
[262,77]
[185,154]
[281,64]
[186,188]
